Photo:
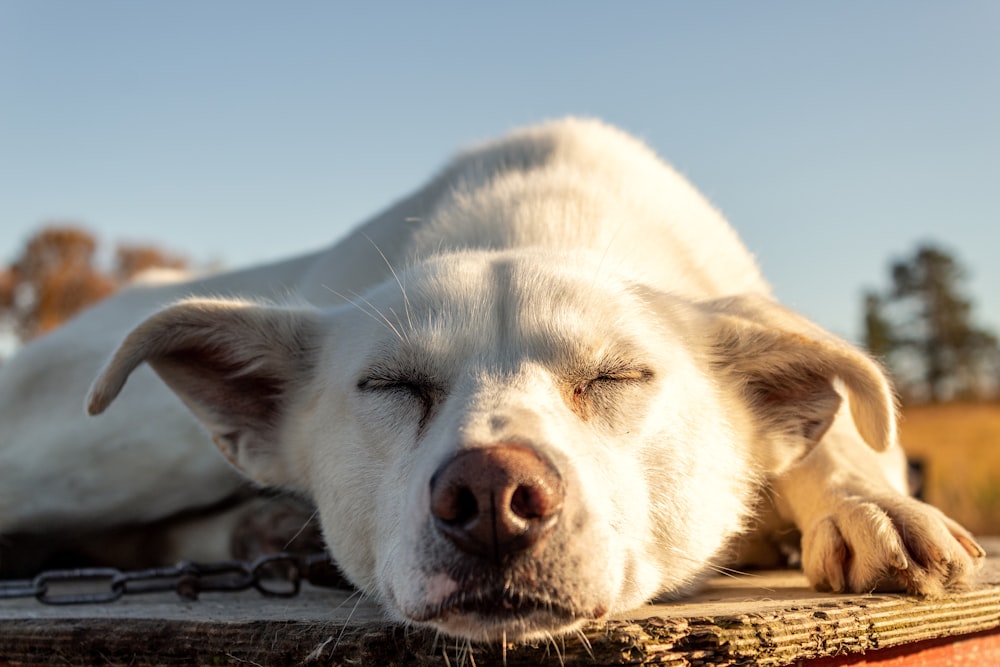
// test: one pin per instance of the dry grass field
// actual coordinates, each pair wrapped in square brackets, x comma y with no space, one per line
[960,447]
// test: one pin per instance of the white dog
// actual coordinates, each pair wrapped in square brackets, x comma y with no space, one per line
[548,387]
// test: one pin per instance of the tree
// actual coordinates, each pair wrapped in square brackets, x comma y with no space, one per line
[57,276]
[132,260]
[922,328]
[878,330]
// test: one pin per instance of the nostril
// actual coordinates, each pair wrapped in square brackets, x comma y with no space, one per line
[529,502]
[466,508]
[455,505]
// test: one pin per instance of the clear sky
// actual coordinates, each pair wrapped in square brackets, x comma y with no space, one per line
[834,136]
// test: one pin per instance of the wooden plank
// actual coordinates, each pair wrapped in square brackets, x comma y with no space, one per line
[769,618]
[977,649]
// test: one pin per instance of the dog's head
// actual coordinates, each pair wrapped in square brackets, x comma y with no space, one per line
[504,444]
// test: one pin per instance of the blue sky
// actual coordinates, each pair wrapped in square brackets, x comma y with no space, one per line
[834,136]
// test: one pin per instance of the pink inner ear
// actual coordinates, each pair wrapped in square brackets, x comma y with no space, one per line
[786,366]
[795,400]
[235,394]
[234,365]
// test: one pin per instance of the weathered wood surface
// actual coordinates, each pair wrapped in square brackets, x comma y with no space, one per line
[769,618]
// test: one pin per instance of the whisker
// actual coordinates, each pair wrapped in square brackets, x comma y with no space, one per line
[406,300]
[374,313]
[317,652]
[463,652]
[586,644]
[722,570]
[382,315]
[731,572]
[604,255]
[301,529]
[347,622]
[555,648]
[398,322]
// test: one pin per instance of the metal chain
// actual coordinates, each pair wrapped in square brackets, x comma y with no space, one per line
[273,575]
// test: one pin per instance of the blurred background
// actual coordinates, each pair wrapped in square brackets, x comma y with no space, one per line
[855,147]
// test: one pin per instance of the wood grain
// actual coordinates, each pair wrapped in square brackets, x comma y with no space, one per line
[767,618]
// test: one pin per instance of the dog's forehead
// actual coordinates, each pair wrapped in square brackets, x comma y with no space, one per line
[517,279]
[556,308]
[530,292]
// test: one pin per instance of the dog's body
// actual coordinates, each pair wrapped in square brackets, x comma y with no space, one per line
[549,386]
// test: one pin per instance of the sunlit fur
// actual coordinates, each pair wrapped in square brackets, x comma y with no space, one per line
[561,289]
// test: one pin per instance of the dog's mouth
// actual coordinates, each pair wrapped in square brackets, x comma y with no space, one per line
[497,612]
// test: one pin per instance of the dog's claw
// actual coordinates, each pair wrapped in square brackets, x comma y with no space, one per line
[965,539]
[829,556]
[894,543]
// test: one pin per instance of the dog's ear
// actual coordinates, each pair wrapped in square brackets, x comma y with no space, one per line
[785,366]
[235,365]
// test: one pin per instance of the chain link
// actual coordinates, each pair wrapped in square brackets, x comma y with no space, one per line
[273,575]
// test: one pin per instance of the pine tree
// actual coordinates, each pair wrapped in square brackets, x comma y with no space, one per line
[922,328]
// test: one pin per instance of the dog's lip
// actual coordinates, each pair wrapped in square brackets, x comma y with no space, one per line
[499,604]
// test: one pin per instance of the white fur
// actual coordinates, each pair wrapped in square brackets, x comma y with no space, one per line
[560,289]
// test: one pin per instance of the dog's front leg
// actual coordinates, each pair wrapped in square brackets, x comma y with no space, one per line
[861,532]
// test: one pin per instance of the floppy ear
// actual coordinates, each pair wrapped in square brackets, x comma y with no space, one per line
[235,365]
[785,366]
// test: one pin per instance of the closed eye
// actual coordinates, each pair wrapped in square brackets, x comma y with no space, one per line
[598,392]
[411,386]
[612,377]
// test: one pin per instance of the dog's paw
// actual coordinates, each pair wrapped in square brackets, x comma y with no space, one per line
[889,543]
[269,525]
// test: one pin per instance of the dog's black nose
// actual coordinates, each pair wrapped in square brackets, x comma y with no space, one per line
[496,501]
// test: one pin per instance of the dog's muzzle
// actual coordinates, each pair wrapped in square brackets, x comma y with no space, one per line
[497,509]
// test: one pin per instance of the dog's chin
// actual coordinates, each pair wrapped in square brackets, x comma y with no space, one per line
[497,614]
